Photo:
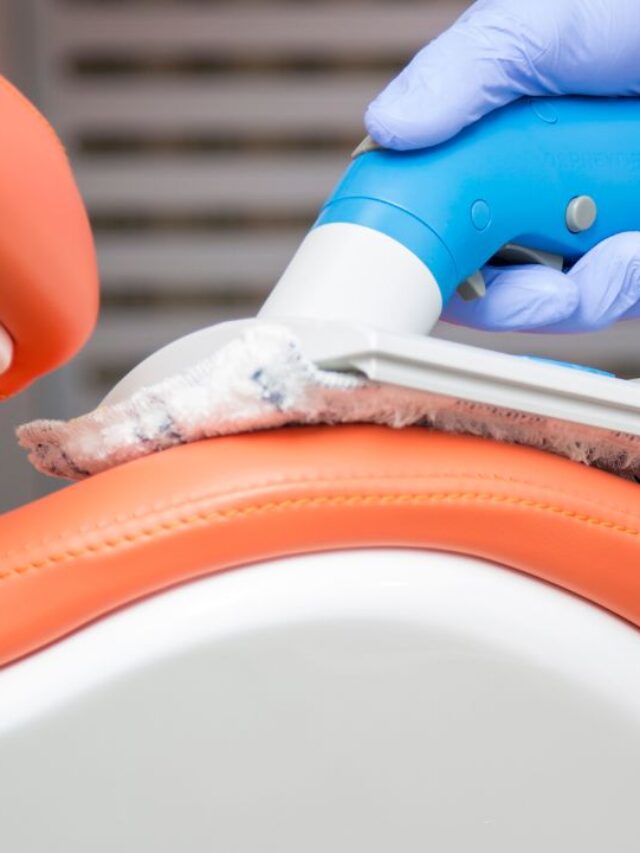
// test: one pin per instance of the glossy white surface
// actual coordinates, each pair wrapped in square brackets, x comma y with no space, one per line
[362,701]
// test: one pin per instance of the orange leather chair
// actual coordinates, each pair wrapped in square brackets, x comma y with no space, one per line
[346,639]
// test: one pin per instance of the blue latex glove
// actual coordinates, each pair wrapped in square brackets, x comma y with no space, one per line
[500,50]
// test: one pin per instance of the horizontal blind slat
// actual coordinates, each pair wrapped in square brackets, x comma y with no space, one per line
[251,104]
[124,337]
[261,29]
[165,262]
[203,183]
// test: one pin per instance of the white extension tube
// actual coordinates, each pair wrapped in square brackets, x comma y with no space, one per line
[352,273]
[6,350]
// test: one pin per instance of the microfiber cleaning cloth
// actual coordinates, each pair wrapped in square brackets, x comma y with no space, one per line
[263,380]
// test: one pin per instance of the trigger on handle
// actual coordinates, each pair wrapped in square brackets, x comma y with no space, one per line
[474,287]
[513,253]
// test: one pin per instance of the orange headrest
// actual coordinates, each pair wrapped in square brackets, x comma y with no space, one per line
[213,505]
[48,274]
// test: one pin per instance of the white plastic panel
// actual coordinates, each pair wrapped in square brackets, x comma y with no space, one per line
[364,701]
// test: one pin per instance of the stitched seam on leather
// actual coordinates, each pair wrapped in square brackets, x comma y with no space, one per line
[184,500]
[219,516]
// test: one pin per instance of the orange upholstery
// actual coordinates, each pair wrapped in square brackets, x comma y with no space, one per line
[48,278]
[212,505]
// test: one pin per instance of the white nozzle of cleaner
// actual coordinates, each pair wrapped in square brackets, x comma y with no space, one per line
[6,350]
[351,273]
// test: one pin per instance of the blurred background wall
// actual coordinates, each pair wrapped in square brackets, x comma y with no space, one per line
[204,134]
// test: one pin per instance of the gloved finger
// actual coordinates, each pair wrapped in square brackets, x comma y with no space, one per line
[522,298]
[608,284]
[485,60]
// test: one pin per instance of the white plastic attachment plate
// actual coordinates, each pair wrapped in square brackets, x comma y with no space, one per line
[474,374]
[176,356]
[6,350]
[425,364]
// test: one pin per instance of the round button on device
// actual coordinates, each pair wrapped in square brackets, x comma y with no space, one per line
[480,214]
[581,213]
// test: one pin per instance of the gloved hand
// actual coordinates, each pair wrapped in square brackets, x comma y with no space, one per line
[500,50]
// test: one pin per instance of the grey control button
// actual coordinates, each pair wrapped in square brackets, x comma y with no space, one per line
[581,213]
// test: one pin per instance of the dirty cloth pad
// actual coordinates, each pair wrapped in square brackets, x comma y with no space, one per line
[262,380]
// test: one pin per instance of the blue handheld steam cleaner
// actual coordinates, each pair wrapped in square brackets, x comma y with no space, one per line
[540,180]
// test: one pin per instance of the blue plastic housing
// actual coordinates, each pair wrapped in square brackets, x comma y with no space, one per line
[507,179]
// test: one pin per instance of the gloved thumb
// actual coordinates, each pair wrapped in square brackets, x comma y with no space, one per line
[485,60]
